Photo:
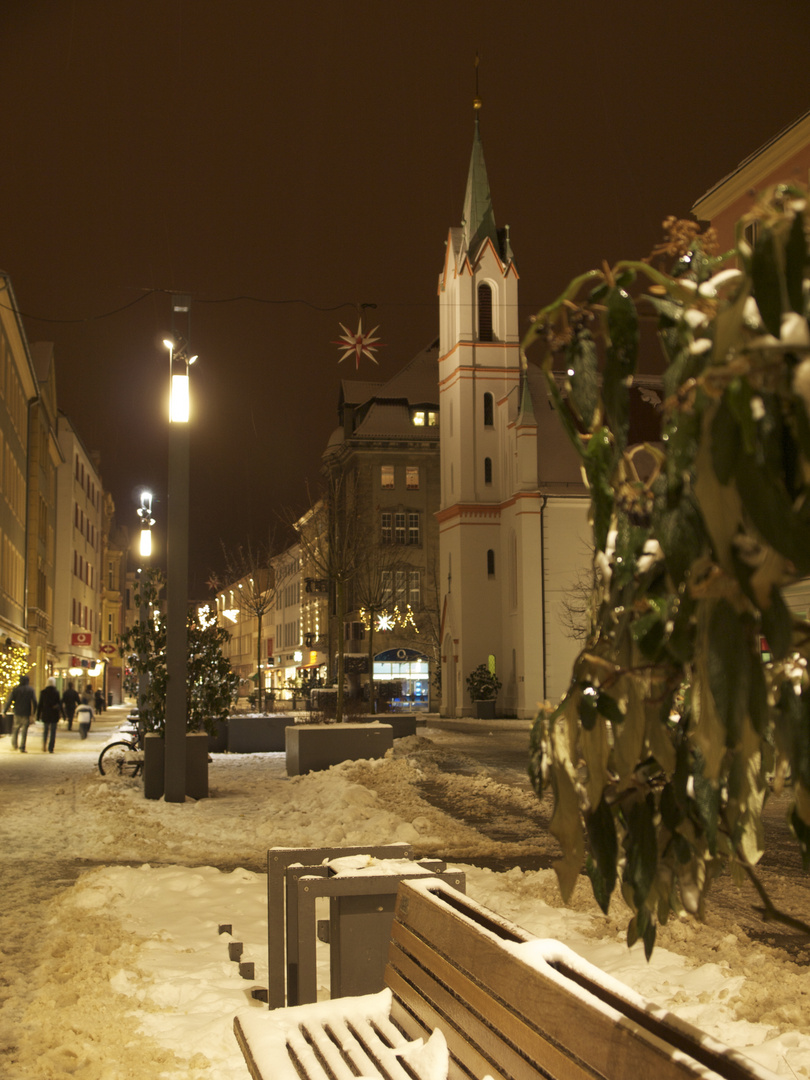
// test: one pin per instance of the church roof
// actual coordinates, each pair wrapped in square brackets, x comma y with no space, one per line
[479,217]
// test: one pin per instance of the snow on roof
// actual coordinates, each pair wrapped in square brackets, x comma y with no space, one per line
[385,419]
[357,392]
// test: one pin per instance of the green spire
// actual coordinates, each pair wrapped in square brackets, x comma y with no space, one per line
[479,218]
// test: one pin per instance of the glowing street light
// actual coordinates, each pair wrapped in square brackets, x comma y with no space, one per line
[179,398]
[177,572]
[147,521]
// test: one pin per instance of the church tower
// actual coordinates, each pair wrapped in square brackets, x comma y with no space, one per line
[490,516]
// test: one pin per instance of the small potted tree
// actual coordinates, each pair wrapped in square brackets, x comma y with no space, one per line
[483,686]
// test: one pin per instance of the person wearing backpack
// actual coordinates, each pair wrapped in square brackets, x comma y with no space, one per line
[84,714]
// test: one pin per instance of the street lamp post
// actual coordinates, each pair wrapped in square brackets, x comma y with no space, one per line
[145,551]
[177,574]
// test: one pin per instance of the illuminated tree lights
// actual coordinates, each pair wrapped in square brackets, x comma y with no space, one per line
[399,615]
[13,664]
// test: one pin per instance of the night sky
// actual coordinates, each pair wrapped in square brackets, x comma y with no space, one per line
[312,156]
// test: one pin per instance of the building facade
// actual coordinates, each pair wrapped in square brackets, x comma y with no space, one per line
[784,159]
[386,451]
[114,561]
[78,586]
[44,459]
[18,388]
[286,649]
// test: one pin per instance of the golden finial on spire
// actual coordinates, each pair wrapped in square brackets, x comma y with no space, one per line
[476,100]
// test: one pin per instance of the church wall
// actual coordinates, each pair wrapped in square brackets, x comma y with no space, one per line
[522,598]
[567,556]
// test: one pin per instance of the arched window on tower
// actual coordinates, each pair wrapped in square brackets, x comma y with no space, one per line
[488,411]
[484,312]
[487,470]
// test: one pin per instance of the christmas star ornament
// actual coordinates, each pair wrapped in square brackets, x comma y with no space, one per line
[358,342]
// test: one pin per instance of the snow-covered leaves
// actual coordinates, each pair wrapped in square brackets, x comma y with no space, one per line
[692,692]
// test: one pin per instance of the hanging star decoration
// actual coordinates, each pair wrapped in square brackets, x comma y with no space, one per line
[359,343]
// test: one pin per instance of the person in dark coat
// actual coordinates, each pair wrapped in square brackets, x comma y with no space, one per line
[48,711]
[24,702]
[99,696]
[70,699]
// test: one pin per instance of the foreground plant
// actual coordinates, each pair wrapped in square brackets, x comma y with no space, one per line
[677,724]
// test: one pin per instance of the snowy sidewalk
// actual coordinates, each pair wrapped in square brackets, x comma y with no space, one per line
[113,968]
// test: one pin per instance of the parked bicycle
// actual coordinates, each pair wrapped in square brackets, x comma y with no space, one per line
[123,756]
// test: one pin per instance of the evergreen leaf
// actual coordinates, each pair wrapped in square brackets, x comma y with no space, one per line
[766,277]
[795,263]
[604,845]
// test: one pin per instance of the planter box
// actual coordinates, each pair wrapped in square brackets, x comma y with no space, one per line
[402,724]
[317,746]
[484,710]
[154,753]
[257,734]
[218,742]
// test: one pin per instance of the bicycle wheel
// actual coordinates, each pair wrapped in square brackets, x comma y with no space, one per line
[121,759]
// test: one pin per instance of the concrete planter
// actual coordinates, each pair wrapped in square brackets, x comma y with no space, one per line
[484,710]
[402,724]
[218,742]
[311,747]
[154,753]
[258,734]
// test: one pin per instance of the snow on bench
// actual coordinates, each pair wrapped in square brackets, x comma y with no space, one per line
[469,994]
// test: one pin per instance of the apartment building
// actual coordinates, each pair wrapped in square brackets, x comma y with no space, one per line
[79,566]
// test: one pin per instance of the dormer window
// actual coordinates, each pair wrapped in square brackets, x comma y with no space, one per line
[425,418]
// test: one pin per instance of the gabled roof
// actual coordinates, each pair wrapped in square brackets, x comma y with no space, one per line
[418,381]
[380,410]
[355,393]
[751,169]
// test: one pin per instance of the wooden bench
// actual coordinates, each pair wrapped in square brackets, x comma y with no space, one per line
[488,999]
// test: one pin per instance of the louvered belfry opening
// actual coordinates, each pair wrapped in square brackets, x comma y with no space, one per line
[484,313]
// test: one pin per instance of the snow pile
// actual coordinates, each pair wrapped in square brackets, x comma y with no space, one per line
[122,974]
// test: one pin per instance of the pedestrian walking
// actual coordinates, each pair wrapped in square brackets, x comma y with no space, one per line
[70,699]
[49,711]
[24,702]
[84,714]
[99,702]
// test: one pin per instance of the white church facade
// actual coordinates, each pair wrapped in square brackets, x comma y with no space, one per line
[513,530]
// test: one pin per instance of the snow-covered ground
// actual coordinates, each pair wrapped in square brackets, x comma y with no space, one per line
[120,973]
